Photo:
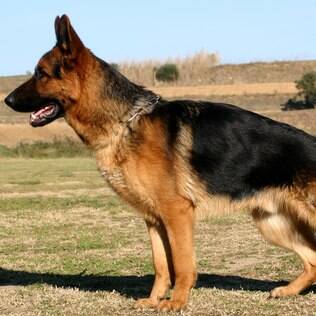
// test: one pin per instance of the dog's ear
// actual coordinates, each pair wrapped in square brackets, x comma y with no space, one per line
[67,39]
[56,24]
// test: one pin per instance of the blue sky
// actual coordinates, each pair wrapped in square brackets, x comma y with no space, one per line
[119,30]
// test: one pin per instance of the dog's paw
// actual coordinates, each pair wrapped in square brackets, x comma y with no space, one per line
[146,303]
[171,305]
[280,291]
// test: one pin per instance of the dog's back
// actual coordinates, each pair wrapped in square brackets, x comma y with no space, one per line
[236,152]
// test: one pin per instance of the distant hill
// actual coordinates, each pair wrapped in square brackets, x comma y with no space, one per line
[8,83]
[258,72]
[259,86]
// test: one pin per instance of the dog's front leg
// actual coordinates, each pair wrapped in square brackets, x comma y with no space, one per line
[164,272]
[178,218]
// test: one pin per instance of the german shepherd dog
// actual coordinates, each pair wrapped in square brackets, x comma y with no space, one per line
[176,160]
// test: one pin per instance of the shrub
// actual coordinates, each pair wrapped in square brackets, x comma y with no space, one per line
[167,72]
[307,87]
[115,66]
[306,96]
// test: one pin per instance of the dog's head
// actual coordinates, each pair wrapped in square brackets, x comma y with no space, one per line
[55,84]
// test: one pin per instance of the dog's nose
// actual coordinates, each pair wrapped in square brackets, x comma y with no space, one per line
[9,100]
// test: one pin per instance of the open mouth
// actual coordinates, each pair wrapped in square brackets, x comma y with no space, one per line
[46,114]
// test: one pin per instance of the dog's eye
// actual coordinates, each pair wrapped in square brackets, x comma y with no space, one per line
[39,73]
[57,71]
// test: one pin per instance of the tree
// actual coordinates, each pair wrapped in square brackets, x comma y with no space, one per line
[167,72]
[307,88]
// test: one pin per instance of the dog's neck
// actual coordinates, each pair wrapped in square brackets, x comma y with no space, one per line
[108,102]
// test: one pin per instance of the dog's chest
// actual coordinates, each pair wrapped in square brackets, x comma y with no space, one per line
[123,178]
[115,178]
[109,161]
[133,194]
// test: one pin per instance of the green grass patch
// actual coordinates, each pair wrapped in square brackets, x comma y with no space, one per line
[50,175]
[55,149]
[49,203]
[25,182]
[97,264]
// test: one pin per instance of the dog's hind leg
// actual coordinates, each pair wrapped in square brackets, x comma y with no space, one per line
[288,231]
[164,272]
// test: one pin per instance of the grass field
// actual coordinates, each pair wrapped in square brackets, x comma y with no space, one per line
[68,246]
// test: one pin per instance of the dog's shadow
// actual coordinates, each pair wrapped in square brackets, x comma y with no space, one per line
[130,286]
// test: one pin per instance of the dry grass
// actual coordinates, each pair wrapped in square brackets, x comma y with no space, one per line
[193,69]
[228,90]
[81,251]
[8,83]
[260,72]
[203,69]
[12,134]
[303,119]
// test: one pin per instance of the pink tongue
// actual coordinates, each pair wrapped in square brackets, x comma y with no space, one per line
[43,110]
